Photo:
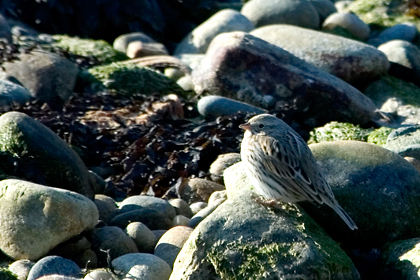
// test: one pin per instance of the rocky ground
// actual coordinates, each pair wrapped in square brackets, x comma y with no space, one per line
[125,157]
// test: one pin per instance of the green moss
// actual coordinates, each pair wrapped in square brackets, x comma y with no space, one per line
[379,136]
[389,86]
[335,131]
[99,49]
[383,12]
[6,274]
[129,79]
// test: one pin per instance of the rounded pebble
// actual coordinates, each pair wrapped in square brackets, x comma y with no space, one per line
[141,266]
[54,265]
[180,220]
[349,21]
[198,206]
[181,207]
[21,268]
[142,236]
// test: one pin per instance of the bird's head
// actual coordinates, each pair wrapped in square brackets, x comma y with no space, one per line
[261,125]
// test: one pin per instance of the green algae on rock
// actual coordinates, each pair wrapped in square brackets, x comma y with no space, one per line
[128,80]
[335,131]
[379,136]
[99,49]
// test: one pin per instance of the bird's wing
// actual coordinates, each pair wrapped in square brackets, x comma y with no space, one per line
[293,162]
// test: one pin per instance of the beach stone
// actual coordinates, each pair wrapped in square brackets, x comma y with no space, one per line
[54,265]
[99,274]
[403,31]
[354,62]
[294,12]
[197,189]
[399,260]
[47,76]
[171,243]
[140,49]
[415,162]
[122,41]
[36,218]
[158,233]
[405,141]
[110,242]
[153,219]
[147,202]
[191,60]
[142,236]
[181,207]
[273,243]
[142,266]
[58,277]
[403,53]
[11,92]
[226,20]
[222,162]
[198,206]
[213,106]
[365,179]
[180,220]
[21,268]
[215,200]
[348,21]
[107,207]
[324,8]
[42,157]
[272,78]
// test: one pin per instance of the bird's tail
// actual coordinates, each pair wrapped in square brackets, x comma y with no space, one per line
[346,218]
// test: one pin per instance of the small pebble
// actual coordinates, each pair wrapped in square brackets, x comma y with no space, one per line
[181,207]
[180,220]
[197,207]
[21,268]
[142,236]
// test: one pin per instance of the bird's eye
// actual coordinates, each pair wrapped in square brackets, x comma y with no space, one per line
[261,126]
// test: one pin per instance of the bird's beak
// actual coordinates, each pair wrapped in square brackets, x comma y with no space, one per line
[245,126]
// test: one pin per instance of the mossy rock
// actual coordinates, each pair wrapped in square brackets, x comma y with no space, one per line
[379,136]
[335,131]
[99,49]
[130,80]
[383,12]
[389,86]
[6,274]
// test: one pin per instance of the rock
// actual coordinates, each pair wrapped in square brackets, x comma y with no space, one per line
[99,49]
[21,268]
[122,41]
[215,200]
[36,218]
[198,40]
[42,156]
[110,243]
[415,162]
[128,79]
[5,32]
[71,248]
[53,265]
[174,74]
[142,267]
[324,8]
[107,207]
[147,202]
[57,277]
[198,206]
[293,12]
[366,179]
[197,189]
[273,243]
[402,31]
[11,92]
[222,162]
[99,274]
[405,141]
[97,183]
[354,62]
[139,49]
[180,220]
[191,60]
[406,54]
[153,219]
[142,236]
[348,21]
[399,260]
[214,106]
[279,81]
[181,207]
[171,243]
[47,76]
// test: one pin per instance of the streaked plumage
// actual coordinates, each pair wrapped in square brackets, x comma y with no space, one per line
[281,166]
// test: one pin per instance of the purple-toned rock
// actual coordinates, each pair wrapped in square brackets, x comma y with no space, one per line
[243,67]
[350,60]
